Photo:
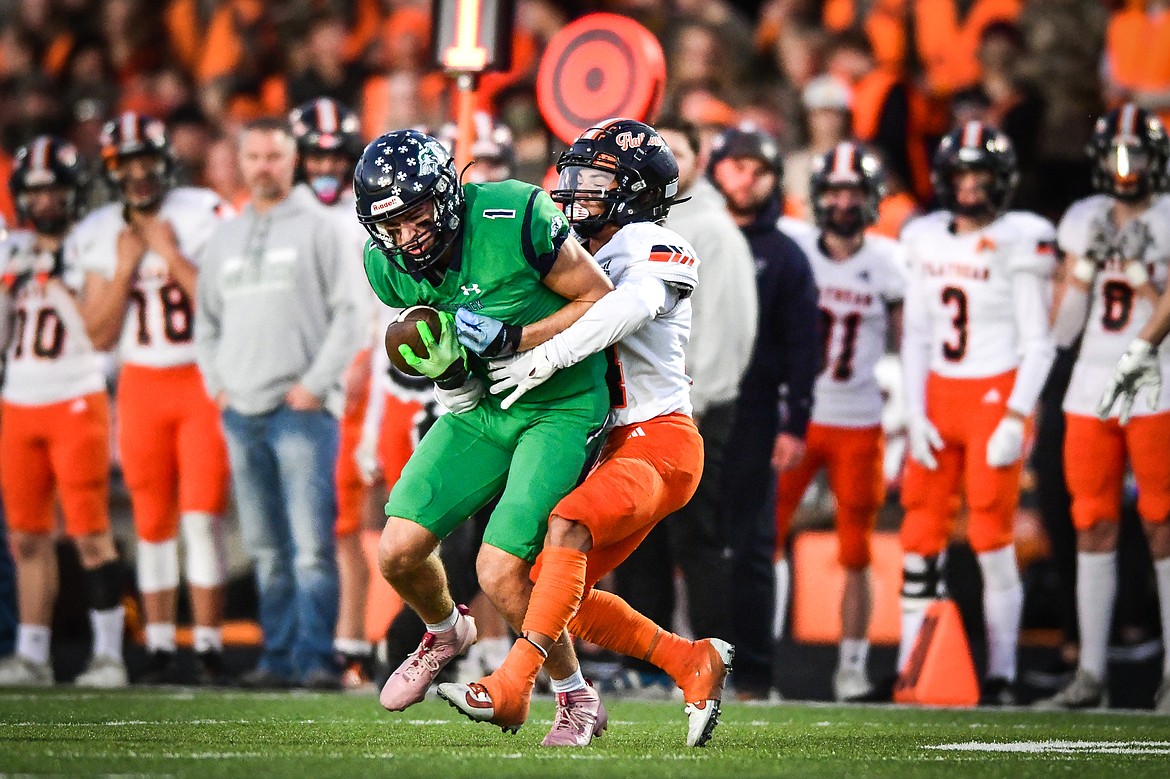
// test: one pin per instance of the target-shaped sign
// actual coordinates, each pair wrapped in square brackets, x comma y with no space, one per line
[600,66]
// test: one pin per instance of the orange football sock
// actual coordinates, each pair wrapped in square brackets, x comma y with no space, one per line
[557,592]
[510,687]
[610,622]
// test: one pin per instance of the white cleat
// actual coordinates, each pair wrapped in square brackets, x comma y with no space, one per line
[1162,697]
[703,713]
[851,685]
[103,672]
[1085,691]
[18,671]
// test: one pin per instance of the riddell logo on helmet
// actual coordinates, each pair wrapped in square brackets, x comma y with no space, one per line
[628,140]
[386,205]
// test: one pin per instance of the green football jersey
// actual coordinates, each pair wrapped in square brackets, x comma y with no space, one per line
[511,234]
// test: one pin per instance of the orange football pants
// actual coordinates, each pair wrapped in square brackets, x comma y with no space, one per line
[966,412]
[646,471]
[853,458]
[351,490]
[58,448]
[173,452]
[1095,452]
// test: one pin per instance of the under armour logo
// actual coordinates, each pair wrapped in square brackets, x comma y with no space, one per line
[472,290]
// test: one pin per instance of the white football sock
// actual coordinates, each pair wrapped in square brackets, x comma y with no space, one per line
[913,613]
[160,637]
[352,647]
[1003,604]
[107,631]
[853,654]
[492,652]
[1162,572]
[446,624]
[33,641]
[208,639]
[1096,592]
[782,587]
[574,682]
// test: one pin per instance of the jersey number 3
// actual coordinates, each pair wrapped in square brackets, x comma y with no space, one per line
[955,299]
[177,319]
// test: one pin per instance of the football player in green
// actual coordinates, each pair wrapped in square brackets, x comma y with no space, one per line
[504,250]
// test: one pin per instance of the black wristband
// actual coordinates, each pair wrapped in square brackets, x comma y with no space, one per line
[454,377]
[506,342]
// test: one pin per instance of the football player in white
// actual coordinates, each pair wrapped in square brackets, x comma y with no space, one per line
[1117,244]
[976,351]
[861,279]
[55,426]
[617,183]
[329,143]
[140,256]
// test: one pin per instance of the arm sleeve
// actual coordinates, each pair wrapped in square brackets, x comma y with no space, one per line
[915,345]
[635,301]
[337,348]
[1070,316]
[800,346]
[545,229]
[1029,294]
[208,310]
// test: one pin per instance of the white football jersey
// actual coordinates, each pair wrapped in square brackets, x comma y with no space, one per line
[353,249]
[159,328]
[49,355]
[648,368]
[1116,313]
[855,296]
[966,281]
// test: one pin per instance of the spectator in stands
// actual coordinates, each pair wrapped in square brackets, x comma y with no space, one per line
[275,329]
[1137,63]
[826,103]
[723,325]
[325,72]
[775,400]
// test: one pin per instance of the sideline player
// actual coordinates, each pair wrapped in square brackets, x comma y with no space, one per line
[617,184]
[329,143]
[504,250]
[1118,247]
[55,427]
[976,351]
[141,256]
[861,280]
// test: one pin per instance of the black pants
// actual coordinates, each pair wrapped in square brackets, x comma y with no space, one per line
[695,539]
[749,499]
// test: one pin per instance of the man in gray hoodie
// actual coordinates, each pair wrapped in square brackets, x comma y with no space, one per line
[723,329]
[275,328]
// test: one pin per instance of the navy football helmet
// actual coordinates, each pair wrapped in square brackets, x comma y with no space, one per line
[976,146]
[847,164]
[1130,153]
[46,162]
[624,151]
[398,173]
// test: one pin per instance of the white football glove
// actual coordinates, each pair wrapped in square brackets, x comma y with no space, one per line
[461,399]
[1136,370]
[366,457]
[924,441]
[520,373]
[1006,444]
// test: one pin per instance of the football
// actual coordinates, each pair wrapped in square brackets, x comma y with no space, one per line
[403,330]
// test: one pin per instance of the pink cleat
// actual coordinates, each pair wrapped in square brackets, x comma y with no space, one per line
[580,716]
[409,682]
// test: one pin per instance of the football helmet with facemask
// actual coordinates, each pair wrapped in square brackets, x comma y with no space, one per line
[624,165]
[42,163]
[407,173]
[129,136]
[326,127]
[1130,152]
[846,165]
[492,148]
[976,146]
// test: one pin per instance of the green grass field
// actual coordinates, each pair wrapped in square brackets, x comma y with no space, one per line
[206,734]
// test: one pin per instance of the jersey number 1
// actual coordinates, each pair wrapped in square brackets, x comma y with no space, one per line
[851,323]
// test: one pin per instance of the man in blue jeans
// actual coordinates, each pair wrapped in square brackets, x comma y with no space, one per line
[275,328]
